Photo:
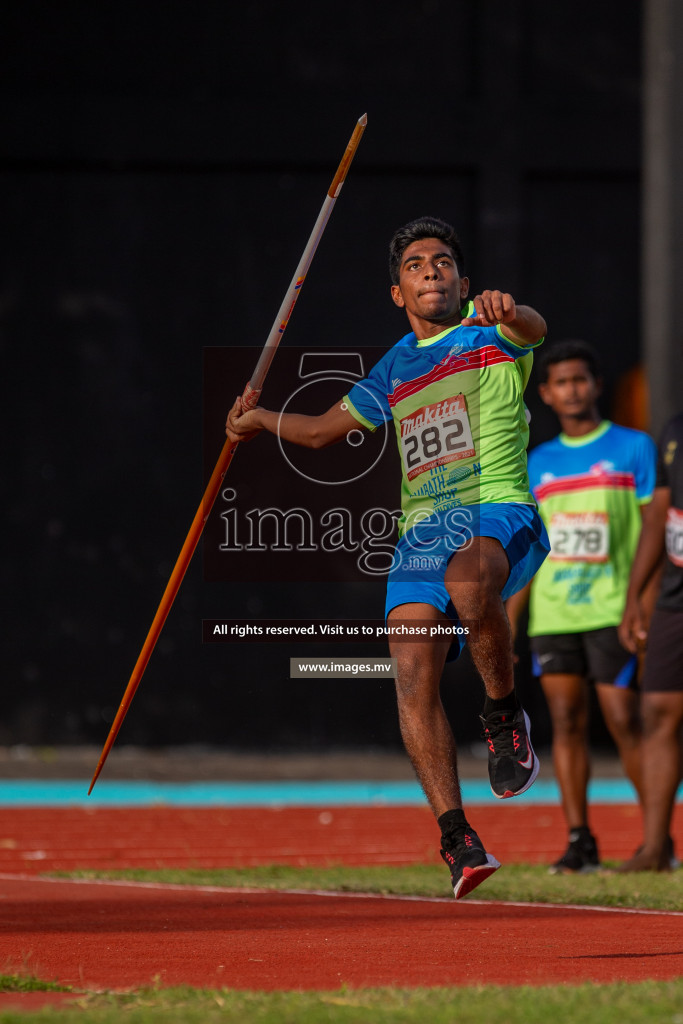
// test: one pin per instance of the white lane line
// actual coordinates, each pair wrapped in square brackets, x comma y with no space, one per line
[332,894]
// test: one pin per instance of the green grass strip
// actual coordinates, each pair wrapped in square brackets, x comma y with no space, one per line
[643,1003]
[514,883]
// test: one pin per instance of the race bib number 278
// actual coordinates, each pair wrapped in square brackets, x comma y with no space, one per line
[436,435]
[579,537]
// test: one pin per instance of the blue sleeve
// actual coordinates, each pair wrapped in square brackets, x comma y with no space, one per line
[645,467]
[368,399]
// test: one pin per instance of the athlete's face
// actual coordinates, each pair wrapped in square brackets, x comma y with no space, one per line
[430,288]
[571,389]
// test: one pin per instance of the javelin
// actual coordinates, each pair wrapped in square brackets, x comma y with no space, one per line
[250,398]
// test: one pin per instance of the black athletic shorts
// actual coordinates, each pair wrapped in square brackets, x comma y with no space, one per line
[664,658]
[596,655]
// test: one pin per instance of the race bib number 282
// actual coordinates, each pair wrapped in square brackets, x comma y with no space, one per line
[436,435]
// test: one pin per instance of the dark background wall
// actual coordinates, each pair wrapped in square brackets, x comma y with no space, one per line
[161,167]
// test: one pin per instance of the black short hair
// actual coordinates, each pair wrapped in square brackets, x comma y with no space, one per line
[423,227]
[572,348]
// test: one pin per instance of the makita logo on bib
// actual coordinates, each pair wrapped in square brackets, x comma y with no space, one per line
[430,415]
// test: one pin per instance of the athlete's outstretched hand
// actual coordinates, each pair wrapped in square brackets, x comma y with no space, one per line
[241,424]
[491,308]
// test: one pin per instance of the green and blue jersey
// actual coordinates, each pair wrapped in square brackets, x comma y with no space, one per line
[589,491]
[457,404]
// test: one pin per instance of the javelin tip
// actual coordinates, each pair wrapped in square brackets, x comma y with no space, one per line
[363,120]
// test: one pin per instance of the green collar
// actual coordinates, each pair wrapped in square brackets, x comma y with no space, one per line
[424,342]
[467,310]
[578,442]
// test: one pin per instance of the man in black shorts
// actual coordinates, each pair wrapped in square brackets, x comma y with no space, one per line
[662,683]
[593,484]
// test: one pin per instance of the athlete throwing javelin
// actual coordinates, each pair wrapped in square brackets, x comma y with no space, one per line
[470,534]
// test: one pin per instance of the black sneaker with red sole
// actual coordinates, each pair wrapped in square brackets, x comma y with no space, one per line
[469,863]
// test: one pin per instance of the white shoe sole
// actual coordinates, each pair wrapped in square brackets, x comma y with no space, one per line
[472,877]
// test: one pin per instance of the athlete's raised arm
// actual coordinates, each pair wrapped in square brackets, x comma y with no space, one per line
[521,325]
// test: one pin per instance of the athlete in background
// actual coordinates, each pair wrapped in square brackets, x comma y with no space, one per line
[470,533]
[662,682]
[593,484]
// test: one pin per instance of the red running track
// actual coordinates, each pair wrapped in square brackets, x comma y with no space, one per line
[63,839]
[119,936]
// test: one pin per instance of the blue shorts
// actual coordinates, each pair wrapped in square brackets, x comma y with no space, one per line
[422,554]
